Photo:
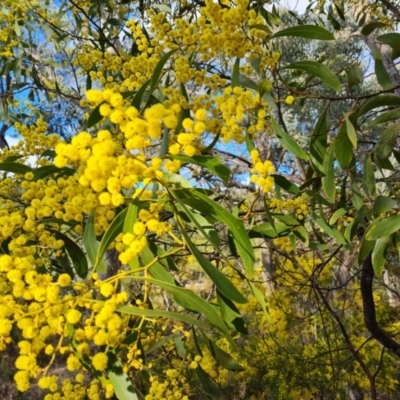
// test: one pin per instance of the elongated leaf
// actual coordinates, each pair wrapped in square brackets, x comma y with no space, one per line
[267,230]
[305,31]
[385,117]
[351,132]
[287,142]
[333,21]
[392,39]
[380,101]
[261,300]
[382,75]
[111,233]
[261,28]
[76,254]
[356,197]
[94,117]
[318,70]
[160,343]
[328,181]
[302,234]
[209,207]
[197,303]
[355,75]
[235,73]
[319,142]
[137,100]
[366,247]
[222,357]
[202,225]
[212,163]
[48,170]
[159,68]
[332,232]
[130,219]
[231,314]
[383,227]
[343,148]
[224,285]
[150,313]
[378,254]
[285,184]
[208,385]
[156,270]
[337,214]
[383,204]
[90,243]
[369,176]
[15,168]
[369,28]
[387,141]
[179,345]
[121,383]
[249,143]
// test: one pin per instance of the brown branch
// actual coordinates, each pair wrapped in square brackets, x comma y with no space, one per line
[392,8]
[367,279]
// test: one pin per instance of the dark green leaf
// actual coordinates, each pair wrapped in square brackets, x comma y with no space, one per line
[378,254]
[94,117]
[392,39]
[305,31]
[235,73]
[318,70]
[334,22]
[266,229]
[337,214]
[196,303]
[369,175]
[383,204]
[376,102]
[224,285]
[285,184]
[212,163]
[137,100]
[231,314]
[287,142]
[387,141]
[351,132]
[208,385]
[15,168]
[90,243]
[111,233]
[382,75]
[121,383]
[328,180]
[151,313]
[159,68]
[76,254]
[222,357]
[369,28]
[383,227]
[130,219]
[332,232]
[261,28]
[343,148]
[209,207]
[319,142]
[355,75]
[385,117]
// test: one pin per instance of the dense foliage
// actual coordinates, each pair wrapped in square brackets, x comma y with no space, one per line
[204,200]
